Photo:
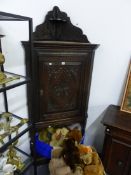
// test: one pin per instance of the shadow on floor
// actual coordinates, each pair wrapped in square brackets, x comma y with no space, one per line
[41,170]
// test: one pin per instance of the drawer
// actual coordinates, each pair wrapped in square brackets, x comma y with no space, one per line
[119,134]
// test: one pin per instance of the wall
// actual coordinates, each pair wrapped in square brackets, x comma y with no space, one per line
[104,22]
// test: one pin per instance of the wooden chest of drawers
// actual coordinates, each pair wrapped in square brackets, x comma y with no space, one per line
[117,144]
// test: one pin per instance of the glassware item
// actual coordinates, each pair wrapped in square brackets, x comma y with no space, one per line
[5,121]
[3,160]
[9,169]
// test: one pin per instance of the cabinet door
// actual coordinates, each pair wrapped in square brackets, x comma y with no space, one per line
[61,81]
[129,164]
[118,158]
[130,171]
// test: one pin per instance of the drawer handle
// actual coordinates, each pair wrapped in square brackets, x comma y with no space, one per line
[120,163]
[41,92]
[107,130]
[63,63]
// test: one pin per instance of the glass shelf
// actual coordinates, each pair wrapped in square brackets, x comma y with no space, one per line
[10,138]
[14,83]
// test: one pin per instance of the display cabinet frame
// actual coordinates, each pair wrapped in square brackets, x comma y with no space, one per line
[26,80]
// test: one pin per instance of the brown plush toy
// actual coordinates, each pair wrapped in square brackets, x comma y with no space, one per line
[95,167]
[75,134]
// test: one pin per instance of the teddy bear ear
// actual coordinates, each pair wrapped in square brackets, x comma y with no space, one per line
[75,134]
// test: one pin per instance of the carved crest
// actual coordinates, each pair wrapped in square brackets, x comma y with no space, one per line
[58,27]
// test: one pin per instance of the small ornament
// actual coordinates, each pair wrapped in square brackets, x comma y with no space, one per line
[3,77]
[2,59]
[14,159]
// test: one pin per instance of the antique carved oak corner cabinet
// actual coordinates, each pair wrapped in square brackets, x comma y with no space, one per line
[60,70]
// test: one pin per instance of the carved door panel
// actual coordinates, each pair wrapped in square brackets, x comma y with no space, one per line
[60,85]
